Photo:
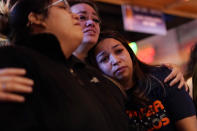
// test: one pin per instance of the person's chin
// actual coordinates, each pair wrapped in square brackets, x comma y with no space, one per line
[90,40]
[121,76]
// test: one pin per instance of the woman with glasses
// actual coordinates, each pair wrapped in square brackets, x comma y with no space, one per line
[12,80]
[67,94]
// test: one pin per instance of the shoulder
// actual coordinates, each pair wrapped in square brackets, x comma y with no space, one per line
[12,52]
[173,97]
[19,56]
[160,72]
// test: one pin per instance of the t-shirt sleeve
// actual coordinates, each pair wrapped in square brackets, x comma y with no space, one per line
[178,102]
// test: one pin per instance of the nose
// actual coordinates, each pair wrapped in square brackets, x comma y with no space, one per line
[114,60]
[90,22]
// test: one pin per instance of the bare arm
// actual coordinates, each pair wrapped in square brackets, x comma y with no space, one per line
[187,124]
[12,82]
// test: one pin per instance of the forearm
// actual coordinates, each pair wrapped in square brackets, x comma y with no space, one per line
[187,124]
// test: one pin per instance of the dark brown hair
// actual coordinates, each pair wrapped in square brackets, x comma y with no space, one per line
[89,2]
[15,21]
[192,62]
[141,71]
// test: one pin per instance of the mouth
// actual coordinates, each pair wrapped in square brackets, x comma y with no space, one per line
[91,31]
[77,23]
[120,70]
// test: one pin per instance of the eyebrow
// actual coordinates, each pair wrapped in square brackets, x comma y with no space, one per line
[85,12]
[103,52]
[115,46]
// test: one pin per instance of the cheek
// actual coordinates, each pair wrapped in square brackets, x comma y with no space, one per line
[98,29]
[106,69]
[82,24]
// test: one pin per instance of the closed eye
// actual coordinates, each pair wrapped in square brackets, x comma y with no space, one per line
[96,20]
[62,7]
[118,51]
[104,59]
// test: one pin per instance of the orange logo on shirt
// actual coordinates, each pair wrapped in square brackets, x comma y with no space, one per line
[155,112]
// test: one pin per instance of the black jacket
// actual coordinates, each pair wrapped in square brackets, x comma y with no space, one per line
[67,95]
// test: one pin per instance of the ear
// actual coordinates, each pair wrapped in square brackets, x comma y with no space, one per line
[36,19]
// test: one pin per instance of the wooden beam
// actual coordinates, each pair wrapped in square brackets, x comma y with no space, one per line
[180,13]
[170,6]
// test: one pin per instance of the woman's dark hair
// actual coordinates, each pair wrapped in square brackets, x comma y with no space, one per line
[192,62]
[17,18]
[89,2]
[141,71]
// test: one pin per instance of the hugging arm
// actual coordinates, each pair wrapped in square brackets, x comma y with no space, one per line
[15,116]
[12,81]
[175,76]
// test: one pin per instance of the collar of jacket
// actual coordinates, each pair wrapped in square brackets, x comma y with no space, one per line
[46,44]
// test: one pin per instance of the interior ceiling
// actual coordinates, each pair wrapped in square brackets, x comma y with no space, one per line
[176,13]
[181,11]
[184,8]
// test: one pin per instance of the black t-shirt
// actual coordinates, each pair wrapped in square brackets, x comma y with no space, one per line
[166,105]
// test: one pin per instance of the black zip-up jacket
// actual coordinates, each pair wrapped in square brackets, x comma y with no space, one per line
[68,95]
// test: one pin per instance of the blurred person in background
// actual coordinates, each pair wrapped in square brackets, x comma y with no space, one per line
[191,74]
[190,69]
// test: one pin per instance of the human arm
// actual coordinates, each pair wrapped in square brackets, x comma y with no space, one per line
[175,76]
[14,116]
[187,124]
[12,81]
[181,108]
